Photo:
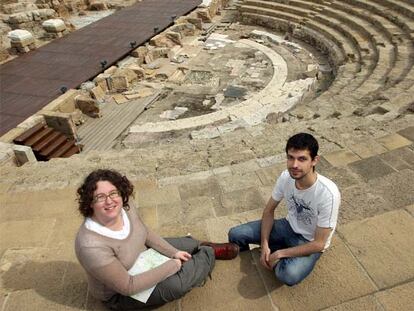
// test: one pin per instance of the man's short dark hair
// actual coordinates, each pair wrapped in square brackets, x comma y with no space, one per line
[303,141]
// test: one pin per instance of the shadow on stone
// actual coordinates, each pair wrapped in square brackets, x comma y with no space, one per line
[251,285]
[59,282]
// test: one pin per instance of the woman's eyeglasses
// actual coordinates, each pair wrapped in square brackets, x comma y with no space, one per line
[100,198]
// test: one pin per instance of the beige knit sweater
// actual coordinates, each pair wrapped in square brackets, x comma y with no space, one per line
[107,261]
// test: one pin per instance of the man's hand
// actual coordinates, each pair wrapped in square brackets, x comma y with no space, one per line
[264,257]
[183,256]
[275,257]
[266,227]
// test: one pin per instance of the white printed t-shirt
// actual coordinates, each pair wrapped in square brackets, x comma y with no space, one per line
[316,206]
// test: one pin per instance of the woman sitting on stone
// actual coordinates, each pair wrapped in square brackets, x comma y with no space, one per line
[112,237]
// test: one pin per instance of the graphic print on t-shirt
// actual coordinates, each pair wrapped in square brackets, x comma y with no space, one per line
[303,212]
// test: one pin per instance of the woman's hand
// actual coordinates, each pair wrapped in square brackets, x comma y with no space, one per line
[178,263]
[183,256]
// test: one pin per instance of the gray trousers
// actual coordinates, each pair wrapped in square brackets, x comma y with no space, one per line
[192,273]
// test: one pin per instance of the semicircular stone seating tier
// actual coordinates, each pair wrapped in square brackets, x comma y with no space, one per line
[277,96]
[369,43]
[391,25]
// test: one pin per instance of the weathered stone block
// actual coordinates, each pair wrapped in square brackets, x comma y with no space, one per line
[97,93]
[120,99]
[77,117]
[140,53]
[197,22]
[97,5]
[156,53]
[20,38]
[24,154]
[204,15]
[21,17]
[64,103]
[166,39]
[54,25]
[12,134]
[88,106]
[128,73]
[100,81]
[31,122]
[44,13]
[7,156]
[61,122]
[118,83]
[11,8]
[186,29]
[138,70]
[111,70]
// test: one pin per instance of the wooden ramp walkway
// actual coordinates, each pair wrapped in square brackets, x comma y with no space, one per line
[31,81]
[100,134]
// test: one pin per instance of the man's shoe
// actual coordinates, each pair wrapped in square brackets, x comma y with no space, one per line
[223,251]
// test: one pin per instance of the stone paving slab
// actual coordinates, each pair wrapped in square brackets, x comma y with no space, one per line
[389,238]
[399,159]
[367,303]
[31,300]
[45,277]
[198,230]
[209,188]
[408,133]
[269,175]
[25,233]
[63,235]
[341,157]
[235,285]
[164,195]
[67,194]
[396,188]
[368,148]
[149,215]
[218,228]
[410,209]
[397,298]
[37,209]
[359,203]
[343,176]
[185,212]
[328,285]
[239,181]
[371,168]
[239,201]
[145,184]
[393,141]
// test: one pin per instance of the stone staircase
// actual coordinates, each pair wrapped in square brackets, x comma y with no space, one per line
[48,143]
[377,49]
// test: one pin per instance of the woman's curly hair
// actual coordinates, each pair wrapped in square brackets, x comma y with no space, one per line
[86,190]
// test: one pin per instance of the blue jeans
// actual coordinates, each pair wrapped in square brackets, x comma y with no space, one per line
[289,271]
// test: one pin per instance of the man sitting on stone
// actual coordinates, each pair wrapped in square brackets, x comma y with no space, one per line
[291,246]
